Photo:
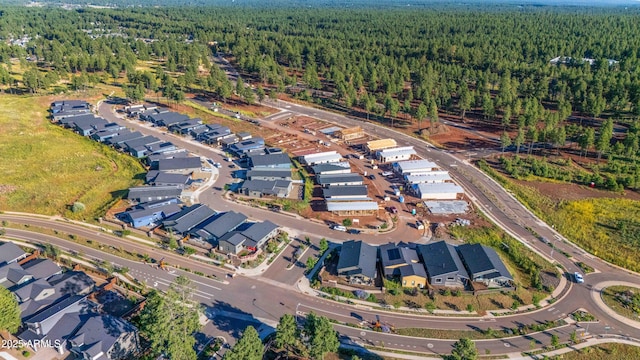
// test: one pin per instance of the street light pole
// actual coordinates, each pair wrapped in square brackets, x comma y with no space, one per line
[297,313]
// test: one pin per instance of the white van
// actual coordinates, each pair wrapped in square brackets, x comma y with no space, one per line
[339,228]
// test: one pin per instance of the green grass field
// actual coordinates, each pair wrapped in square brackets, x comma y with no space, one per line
[44,168]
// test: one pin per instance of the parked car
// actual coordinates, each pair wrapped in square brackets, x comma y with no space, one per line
[371,177]
[578,277]
[386,173]
[354,231]
[393,209]
[338,228]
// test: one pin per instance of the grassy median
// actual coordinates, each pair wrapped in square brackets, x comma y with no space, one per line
[45,169]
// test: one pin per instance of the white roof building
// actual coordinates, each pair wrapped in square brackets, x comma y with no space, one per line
[322,158]
[396,154]
[437,191]
[412,167]
[428,178]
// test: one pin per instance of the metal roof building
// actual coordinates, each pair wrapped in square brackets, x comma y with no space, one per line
[412,167]
[339,179]
[396,154]
[322,158]
[342,208]
[437,191]
[428,178]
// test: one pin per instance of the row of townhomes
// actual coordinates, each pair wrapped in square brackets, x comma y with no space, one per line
[438,264]
[226,232]
[61,308]
[172,174]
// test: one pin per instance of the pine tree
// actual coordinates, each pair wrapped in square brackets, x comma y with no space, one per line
[249,347]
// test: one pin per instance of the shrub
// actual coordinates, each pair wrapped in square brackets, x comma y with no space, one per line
[77,207]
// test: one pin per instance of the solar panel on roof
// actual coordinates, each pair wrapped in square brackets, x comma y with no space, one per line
[394,254]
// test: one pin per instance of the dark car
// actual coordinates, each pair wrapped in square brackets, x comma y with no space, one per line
[372,177]
[354,231]
[393,209]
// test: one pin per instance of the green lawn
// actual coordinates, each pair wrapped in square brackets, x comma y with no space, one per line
[604,352]
[44,168]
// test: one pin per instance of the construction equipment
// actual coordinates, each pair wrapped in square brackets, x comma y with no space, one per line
[162,265]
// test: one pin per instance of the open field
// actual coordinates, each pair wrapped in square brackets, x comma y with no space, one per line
[606,227]
[44,168]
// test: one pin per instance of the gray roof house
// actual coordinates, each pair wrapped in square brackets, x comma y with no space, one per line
[152,159]
[269,174]
[278,160]
[232,243]
[13,274]
[260,188]
[187,219]
[357,262]
[10,252]
[42,322]
[170,179]
[42,268]
[402,262]
[182,165]
[151,193]
[484,265]
[443,264]
[258,233]
[123,136]
[139,147]
[105,337]
[214,228]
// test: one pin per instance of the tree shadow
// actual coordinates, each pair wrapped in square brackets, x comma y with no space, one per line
[230,319]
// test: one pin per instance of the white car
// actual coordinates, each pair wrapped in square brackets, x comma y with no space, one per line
[578,277]
[339,228]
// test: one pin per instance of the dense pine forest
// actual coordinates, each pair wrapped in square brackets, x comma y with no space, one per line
[392,62]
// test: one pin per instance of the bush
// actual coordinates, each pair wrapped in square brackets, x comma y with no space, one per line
[77,207]
[347,222]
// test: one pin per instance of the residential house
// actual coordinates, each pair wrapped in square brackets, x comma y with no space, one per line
[259,233]
[88,125]
[260,188]
[170,179]
[270,161]
[437,191]
[105,337]
[148,216]
[443,264]
[161,148]
[484,265]
[269,174]
[123,136]
[186,127]
[13,274]
[401,262]
[215,227]
[152,159]
[214,136]
[328,180]
[232,243]
[180,165]
[42,268]
[187,219]
[10,253]
[357,262]
[243,135]
[167,118]
[69,108]
[138,147]
[242,147]
[143,194]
